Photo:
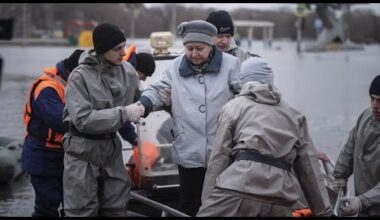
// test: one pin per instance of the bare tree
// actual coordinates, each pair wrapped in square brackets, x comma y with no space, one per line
[138,21]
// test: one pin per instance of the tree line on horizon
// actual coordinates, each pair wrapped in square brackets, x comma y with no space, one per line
[138,21]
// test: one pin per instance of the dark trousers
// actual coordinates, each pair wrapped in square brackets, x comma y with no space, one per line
[191,185]
[49,195]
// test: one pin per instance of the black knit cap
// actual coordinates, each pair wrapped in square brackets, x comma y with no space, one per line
[222,21]
[72,61]
[374,89]
[145,63]
[106,36]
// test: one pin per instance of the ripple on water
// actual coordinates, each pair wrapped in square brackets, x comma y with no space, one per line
[17,198]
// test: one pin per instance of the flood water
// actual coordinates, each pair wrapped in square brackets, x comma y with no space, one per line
[330,88]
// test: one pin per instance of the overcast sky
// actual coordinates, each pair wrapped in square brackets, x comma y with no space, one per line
[263,6]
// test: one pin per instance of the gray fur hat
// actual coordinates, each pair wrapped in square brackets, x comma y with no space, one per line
[197,31]
[256,69]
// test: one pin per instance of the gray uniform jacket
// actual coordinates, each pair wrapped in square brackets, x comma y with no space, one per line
[95,95]
[196,100]
[361,156]
[258,119]
[237,51]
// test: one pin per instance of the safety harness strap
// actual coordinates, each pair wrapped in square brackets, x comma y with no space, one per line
[74,131]
[256,156]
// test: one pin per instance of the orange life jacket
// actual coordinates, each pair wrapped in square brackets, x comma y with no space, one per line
[149,156]
[129,51]
[303,212]
[52,80]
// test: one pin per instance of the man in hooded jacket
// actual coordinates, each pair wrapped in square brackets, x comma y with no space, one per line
[263,157]
[360,157]
[224,40]
[99,96]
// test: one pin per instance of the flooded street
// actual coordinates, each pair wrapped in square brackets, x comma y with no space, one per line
[17,198]
[330,88]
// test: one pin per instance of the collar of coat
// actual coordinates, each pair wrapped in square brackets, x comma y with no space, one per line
[93,59]
[214,66]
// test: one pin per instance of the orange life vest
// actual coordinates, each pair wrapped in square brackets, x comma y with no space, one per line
[303,212]
[129,51]
[52,80]
[149,156]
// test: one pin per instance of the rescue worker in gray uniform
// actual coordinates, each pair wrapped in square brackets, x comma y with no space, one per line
[263,157]
[224,40]
[99,96]
[360,157]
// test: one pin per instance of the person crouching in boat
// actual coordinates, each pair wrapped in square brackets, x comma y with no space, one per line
[263,157]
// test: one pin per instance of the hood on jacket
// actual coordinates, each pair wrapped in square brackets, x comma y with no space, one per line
[261,93]
[256,69]
[90,58]
[232,45]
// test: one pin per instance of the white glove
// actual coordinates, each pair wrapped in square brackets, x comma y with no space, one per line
[339,183]
[165,96]
[350,206]
[134,112]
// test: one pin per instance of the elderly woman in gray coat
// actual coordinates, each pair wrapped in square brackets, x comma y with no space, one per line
[196,85]
[259,142]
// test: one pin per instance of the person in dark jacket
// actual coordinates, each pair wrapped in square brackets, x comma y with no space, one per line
[145,66]
[42,155]
[142,62]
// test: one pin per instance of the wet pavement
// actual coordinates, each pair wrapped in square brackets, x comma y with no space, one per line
[17,198]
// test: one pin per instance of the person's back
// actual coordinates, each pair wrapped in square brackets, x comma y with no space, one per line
[260,140]
[42,155]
